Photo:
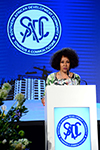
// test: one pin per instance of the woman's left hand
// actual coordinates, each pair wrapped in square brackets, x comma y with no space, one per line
[43,101]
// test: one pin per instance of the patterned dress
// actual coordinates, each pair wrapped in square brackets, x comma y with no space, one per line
[52,80]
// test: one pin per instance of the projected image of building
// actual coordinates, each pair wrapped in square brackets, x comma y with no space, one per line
[33,89]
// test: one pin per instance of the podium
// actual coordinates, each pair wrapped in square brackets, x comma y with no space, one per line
[71,118]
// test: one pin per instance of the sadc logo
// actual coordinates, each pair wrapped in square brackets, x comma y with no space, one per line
[72,130]
[34,29]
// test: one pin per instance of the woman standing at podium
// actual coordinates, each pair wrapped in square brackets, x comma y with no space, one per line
[63,60]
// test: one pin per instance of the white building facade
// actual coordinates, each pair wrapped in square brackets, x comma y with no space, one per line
[32,89]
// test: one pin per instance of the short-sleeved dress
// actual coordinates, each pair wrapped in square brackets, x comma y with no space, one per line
[52,80]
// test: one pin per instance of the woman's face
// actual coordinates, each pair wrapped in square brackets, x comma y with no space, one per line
[64,64]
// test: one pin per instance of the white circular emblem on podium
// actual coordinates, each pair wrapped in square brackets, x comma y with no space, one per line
[34,29]
[72,130]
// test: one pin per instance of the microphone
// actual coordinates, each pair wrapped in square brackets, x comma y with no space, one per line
[73,78]
[68,73]
[84,81]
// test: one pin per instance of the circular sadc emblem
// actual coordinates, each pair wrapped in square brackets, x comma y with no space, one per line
[72,130]
[34,29]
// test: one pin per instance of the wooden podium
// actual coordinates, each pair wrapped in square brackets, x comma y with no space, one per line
[71,118]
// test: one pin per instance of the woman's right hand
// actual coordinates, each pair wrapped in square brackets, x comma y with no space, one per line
[43,101]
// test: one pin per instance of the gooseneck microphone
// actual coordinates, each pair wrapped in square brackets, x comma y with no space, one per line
[73,78]
[68,73]
[84,81]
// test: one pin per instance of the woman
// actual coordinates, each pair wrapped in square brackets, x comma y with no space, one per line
[63,60]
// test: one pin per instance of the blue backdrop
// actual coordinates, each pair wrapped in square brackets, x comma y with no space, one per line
[80,30]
